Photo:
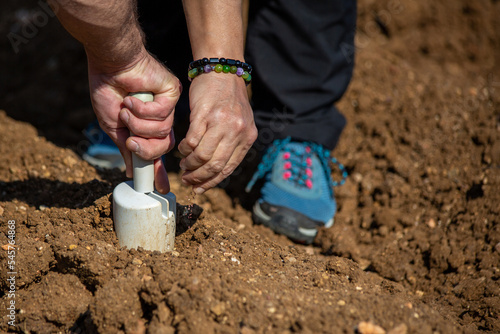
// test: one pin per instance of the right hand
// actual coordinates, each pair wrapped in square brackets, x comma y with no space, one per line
[151,122]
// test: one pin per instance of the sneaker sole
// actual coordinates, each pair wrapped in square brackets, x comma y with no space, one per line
[295,233]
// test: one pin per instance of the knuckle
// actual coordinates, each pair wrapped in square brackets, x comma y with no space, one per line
[163,132]
[229,169]
[240,125]
[215,167]
[196,180]
[202,157]
[252,135]
[147,155]
[191,142]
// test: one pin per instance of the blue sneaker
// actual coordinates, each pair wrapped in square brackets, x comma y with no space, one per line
[297,196]
[102,151]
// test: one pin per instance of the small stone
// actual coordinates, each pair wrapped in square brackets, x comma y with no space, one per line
[33,174]
[218,309]
[309,250]
[71,247]
[366,327]
[175,253]
[146,278]
[431,223]
[271,310]
[42,207]
[69,161]
[341,303]
[357,177]
[137,262]
[419,293]
[400,329]
[290,259]
[1,210]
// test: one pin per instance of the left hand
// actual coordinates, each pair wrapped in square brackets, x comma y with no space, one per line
[221,131]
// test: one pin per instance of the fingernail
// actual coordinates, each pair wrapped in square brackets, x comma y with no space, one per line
[199,191]
[128,102]
[125,116]
[134,146]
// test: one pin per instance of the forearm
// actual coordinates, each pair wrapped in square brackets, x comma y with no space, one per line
[107,29]
[215,28]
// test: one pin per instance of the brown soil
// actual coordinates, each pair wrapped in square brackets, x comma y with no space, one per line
[416,243]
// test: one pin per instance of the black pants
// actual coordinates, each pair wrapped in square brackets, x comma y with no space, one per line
[302,54]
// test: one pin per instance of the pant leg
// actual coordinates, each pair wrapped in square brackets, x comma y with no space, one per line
[301,52]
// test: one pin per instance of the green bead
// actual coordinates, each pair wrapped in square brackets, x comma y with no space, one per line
[193,73]
[233,69]
[218,68]
[226,68]
[249,78]
[245,75]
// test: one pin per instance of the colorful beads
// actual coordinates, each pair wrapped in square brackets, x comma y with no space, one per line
[193,73]
[220,65]
[218,68]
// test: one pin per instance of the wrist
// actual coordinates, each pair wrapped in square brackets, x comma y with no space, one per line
[220,65]
[118,61]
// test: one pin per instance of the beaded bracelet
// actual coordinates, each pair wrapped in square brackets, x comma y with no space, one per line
[206,65]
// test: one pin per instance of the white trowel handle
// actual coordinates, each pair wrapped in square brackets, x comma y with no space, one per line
[144,173]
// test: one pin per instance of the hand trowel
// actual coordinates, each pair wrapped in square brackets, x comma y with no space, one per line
[143,217]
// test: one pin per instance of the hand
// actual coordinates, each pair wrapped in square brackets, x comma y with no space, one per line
[151,122]
[221,131]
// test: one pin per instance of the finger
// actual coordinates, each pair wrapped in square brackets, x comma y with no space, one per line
[193,137]
[145,127]
[161,178]
[205,150]
[152,148]
[159,109]
[231,165]
[218,164]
